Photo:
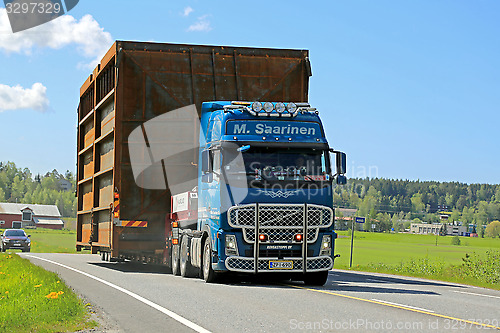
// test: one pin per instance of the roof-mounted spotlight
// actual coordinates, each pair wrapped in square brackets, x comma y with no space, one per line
[280,107]
[268,107]
[291,107]
[257,106]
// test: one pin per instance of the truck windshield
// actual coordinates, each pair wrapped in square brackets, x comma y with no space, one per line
[265,165]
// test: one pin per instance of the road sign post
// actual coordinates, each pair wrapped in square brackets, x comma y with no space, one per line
[358,220]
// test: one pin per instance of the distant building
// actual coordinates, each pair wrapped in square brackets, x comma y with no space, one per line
[425,228]
[64,184]
[341,222]
[346,212]
[451,229]
[17,216]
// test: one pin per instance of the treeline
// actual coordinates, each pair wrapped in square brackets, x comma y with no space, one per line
[19,185]
[393,203]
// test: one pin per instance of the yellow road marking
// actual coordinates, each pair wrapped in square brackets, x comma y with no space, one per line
[396,306]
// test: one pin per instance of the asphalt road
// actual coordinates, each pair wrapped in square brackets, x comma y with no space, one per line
[140,298]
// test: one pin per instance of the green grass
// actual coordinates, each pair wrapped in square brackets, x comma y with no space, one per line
[415,255]
[52,241]
[24,304]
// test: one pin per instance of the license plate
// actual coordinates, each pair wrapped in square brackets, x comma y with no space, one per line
[17,244]
[281,264]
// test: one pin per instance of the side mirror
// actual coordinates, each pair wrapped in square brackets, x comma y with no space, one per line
[29,235]
[341,163]
[206,162]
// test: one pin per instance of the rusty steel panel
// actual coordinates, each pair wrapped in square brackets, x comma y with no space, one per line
[105,184]
[84,228]
[157,78]
[150,79]
[108,123]
[88,165]
[107,160]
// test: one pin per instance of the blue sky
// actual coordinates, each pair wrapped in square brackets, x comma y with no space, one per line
[408,89]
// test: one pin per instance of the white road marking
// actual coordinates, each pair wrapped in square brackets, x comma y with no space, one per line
[402,305]
[464,292]
[169,313]
[379,281]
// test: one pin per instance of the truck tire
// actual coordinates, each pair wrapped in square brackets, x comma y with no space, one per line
[174,263]
[187,270]
[209,275]
[316,278]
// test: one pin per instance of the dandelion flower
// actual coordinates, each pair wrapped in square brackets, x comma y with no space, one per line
[38,285]
[58,281]
[6,292]
[52,295]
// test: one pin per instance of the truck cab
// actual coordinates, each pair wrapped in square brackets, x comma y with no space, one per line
[264,200]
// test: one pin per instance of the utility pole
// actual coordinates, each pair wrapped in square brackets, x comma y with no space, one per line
[352,242]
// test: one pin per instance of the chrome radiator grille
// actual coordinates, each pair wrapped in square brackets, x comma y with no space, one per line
[242,264]
[280,222]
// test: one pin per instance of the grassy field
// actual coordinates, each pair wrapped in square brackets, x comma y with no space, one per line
[34,300]
[52,241]
[371,248]
[418,255]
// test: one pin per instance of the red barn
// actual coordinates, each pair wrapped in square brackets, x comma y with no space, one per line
[13,215]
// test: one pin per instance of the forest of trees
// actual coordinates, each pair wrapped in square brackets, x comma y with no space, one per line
[19,185]
[393,203]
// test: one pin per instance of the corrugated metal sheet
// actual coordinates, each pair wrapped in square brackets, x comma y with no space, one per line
[49,221]
[38,210]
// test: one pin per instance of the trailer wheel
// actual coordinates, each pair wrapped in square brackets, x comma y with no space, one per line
[316,278]
[187,270]
[175,260]
[209,275]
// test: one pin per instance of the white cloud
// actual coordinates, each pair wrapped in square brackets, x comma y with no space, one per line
[91,40]
[188,10]
[203,24]
[17,97]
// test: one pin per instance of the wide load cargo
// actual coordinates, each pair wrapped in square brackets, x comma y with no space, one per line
[136,82]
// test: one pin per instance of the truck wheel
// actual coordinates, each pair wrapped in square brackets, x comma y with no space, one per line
[187,270]
[316,278]
[209,275]
[174,263]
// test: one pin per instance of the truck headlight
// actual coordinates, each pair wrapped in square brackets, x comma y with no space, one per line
[326,245]
[231,245]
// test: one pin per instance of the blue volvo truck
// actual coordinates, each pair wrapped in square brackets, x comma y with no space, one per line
[207,159]
[263,203]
